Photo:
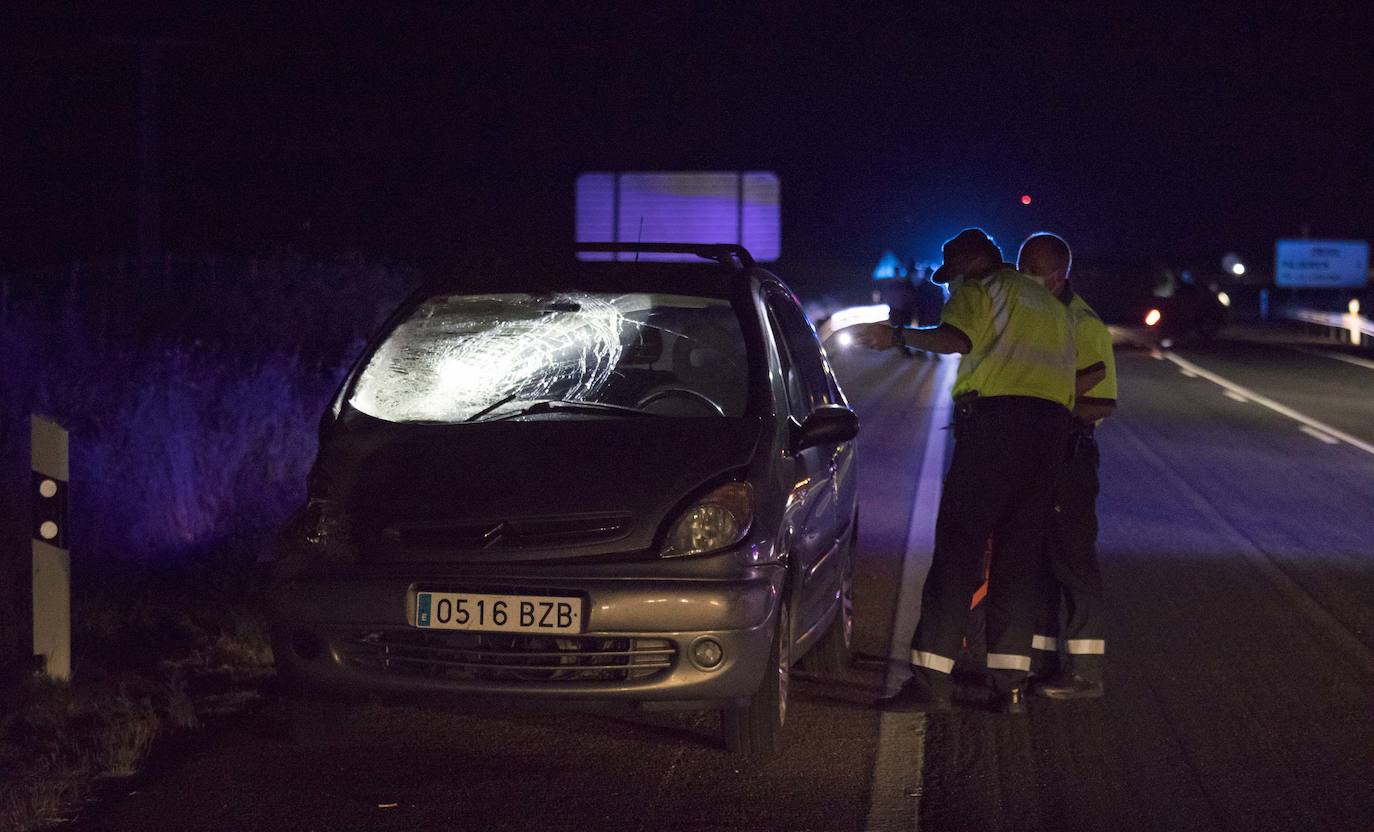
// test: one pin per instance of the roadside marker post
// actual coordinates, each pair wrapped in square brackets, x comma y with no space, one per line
[52,607]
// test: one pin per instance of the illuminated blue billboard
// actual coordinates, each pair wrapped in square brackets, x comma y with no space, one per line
[680,207]
[1321,264]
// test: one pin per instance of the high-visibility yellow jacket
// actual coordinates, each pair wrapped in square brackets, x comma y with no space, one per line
[1093,346]
[1022,337]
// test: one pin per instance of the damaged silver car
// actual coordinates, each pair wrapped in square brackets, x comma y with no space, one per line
[608,483]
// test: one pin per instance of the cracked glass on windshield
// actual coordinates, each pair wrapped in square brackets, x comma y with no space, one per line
[477,357]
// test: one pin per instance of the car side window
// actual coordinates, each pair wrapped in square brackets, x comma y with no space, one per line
[808,384]
[797,400]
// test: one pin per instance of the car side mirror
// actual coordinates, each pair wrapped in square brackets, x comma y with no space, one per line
[829,424]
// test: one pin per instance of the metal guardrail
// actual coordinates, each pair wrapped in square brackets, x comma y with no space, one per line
[1343,326]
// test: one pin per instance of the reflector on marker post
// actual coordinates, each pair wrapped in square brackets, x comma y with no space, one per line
[52,631]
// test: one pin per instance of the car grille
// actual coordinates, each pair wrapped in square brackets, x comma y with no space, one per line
[525,533]
[499,657]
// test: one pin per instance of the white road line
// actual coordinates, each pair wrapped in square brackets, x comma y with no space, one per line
[1316,434]
[894,799]
[1235,397]
[1272,405]
[1188,374]
[1340,356]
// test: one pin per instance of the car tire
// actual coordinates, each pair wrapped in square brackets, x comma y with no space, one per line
[754,729]
[831,655]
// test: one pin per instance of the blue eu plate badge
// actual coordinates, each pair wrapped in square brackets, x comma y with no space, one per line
[422,609]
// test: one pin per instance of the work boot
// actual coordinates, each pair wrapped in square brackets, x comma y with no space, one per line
[1011,701]
[917,695]
[1070,686]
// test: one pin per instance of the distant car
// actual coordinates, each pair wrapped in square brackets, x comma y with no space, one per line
[581,482]
[1191,313]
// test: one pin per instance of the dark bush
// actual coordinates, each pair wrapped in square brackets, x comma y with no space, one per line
[192,402]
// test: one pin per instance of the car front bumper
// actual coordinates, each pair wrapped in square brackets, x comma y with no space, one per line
[355,634]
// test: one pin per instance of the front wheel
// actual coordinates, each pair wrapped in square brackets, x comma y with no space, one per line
[755,728]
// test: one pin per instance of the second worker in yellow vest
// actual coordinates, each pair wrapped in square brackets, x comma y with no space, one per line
[1012,394]
[1070,658]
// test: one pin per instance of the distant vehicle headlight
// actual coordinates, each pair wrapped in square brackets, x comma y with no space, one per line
[720,519]
[1224,298]
[1152,317]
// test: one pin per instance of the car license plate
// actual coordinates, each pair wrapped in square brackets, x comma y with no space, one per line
[497,613]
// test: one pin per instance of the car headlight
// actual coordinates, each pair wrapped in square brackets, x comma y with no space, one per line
[720,519]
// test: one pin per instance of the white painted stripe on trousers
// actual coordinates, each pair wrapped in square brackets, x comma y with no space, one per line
[931,661]
[1039,642]
[1009,661]
[1086,646]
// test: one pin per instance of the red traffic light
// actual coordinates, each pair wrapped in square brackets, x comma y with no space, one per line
[1025,199]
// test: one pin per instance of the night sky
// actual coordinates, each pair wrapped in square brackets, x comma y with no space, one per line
[418,131]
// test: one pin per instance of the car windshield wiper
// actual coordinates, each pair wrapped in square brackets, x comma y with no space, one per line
[559,405]
[489,408]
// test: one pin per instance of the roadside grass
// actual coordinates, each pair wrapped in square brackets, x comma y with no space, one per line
[35,797]
[63,736]
[156,654]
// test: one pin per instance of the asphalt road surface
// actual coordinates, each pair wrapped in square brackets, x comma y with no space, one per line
[1238,553]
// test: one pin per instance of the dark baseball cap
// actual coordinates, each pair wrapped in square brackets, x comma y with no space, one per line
[966,245]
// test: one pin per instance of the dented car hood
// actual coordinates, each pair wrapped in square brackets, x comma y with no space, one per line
[556,488]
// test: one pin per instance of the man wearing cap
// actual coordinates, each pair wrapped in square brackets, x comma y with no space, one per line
[1071,570]
[1012,396]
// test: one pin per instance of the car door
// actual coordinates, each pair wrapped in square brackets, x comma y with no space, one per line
[812,515]
[846,479]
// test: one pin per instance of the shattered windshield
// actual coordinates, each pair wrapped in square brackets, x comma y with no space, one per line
[464,358]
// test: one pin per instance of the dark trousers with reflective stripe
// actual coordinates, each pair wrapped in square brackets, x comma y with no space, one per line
[1007,456]
[1070,575]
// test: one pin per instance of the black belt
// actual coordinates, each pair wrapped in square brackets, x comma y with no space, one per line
[972,402]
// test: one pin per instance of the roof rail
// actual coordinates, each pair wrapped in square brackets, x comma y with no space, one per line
[724,253]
